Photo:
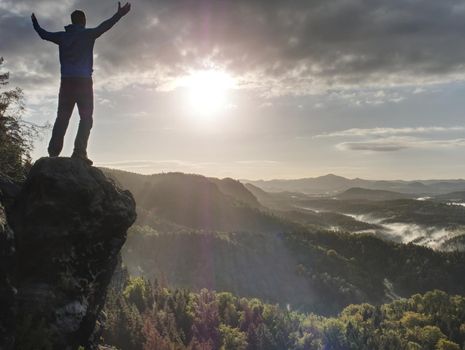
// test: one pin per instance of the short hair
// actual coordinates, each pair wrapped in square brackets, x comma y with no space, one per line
[78,17]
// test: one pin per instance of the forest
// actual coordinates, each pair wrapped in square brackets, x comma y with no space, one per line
[149,316]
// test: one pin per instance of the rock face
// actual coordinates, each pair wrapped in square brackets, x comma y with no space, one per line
[7,273]
[69,223]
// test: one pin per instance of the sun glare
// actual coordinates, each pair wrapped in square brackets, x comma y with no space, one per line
[208,92]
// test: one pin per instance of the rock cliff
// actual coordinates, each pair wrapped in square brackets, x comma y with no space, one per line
[69,222]
[7,272]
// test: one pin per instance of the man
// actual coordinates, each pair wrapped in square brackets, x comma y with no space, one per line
[76,46]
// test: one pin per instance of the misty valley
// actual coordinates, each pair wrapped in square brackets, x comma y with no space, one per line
[305,253]
[308,252]
[425,215]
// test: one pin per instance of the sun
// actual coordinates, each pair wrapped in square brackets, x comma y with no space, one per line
[208,92]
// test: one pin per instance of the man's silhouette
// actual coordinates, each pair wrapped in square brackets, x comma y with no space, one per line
[76,46]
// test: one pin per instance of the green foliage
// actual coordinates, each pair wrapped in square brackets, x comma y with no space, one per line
[232,338]
[138,292]
[347,269]
[183,320]
[414,319]
[427,336]
[334,335]
[324,271]
[124,324]
[444,344]
[16,135]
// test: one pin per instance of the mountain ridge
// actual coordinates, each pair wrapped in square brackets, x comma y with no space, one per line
[331,184]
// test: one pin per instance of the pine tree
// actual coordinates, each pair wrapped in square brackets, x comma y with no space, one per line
[16,135]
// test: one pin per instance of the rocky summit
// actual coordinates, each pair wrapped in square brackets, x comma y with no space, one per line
[69,222]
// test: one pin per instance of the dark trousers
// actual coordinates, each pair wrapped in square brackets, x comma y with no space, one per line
[73,91]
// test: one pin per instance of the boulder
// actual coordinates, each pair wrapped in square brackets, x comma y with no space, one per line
[70,222]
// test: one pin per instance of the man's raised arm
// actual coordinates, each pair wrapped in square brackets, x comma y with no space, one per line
[53,37]
[106,25]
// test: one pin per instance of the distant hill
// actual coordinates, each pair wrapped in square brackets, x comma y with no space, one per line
[174,200]
[452,197]
[277,201]
[323,184]
[331,184]
[236,190]
[198,202]
[371,195]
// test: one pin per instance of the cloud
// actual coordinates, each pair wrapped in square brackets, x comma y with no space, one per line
[396,139]
[374,146]
[258,162]
[276,47]
[356,132]
[150,163]
[392,144]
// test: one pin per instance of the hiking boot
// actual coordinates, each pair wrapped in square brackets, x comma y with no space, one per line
[53,154]
[82,157]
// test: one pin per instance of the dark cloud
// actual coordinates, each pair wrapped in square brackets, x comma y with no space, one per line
[297,45]
[357,132]
[373,146]
[393,144]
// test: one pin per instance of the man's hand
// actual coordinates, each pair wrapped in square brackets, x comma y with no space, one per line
[34,19]
[123,10]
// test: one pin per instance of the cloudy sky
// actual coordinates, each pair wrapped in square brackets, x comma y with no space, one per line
[259,88]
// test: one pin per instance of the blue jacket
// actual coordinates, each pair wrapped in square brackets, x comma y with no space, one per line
[76,45]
